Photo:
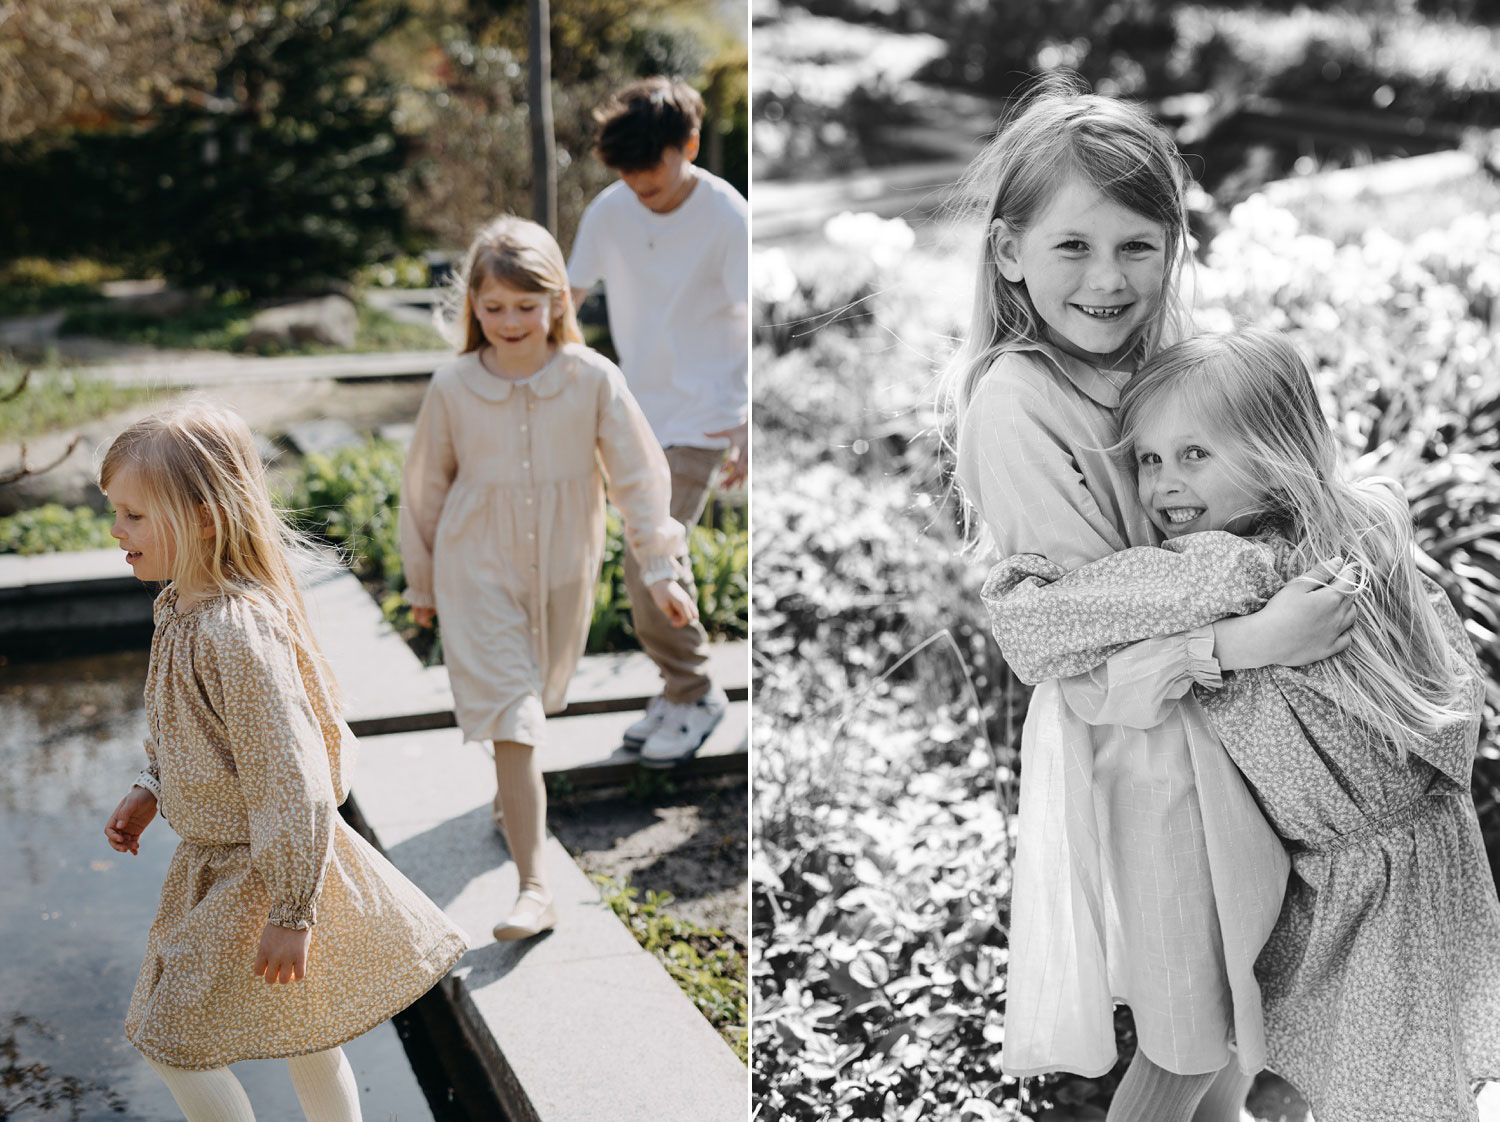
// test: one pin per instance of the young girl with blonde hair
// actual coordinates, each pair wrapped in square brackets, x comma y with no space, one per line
[1381,979]
[1144,871]
[503,526]
[281,932]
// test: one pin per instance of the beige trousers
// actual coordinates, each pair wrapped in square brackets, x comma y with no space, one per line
[680,653]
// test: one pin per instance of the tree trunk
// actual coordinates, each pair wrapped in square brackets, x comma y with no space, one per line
[543,144]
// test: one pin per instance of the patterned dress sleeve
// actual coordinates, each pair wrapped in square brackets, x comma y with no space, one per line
[431,465]
[638,480]
[150,776]
[1051,623]
[280,757]
[1138,685]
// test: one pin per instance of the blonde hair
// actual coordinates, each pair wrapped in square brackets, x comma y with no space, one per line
[523,255]
[1252,389]
[197,464]
[1060,131]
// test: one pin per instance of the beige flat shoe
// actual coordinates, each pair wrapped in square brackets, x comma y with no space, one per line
[533,914]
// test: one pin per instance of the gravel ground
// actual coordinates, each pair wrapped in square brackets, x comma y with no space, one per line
[691,842]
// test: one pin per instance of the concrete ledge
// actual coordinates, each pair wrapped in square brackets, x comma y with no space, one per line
[164,370]
[579,1024]
[54,603]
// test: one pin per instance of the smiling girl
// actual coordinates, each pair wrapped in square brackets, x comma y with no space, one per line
[1381,979]
[502,526]
[1144,871]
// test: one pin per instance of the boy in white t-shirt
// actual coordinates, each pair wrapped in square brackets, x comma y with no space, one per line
[671,242]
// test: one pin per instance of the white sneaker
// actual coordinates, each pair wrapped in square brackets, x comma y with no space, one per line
[684,728]
[638,733]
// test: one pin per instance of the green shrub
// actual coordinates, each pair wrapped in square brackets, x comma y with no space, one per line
[53,528]
[707,964]
[56,399]
[351,498]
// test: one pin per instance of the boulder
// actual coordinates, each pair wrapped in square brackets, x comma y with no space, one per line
[330,320]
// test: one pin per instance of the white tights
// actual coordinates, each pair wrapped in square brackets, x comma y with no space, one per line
[324,1082]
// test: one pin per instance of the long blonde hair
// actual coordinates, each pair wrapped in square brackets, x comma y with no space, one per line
[1253,391]
[197,463]
[522,254]
[1061,131]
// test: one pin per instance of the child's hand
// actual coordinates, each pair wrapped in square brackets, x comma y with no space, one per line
[674,603]
[423,617]
[1307,621]
[282,956]
[130,820]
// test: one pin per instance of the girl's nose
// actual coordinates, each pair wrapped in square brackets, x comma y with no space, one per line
[1106,276]
[115,531]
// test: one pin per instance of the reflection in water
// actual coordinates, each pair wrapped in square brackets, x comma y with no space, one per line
[74,913]
[25,1083]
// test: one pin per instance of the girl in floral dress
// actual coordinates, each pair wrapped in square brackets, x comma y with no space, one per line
[1381,979]
[281,932]
[1144,871]
[502,529]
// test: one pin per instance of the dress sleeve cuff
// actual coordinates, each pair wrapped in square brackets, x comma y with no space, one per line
[299,916]
[1202,664]
[150,782]
[660,568]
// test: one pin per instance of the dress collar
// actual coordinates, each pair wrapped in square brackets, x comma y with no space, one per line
[546,382]
[1101,386]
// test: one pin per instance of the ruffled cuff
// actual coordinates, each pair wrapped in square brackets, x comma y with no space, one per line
[297,915]
[149,781]
[1202,664]
[660,568]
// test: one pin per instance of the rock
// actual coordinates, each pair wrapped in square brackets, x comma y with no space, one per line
[330,320]
[399,431]
[324,435]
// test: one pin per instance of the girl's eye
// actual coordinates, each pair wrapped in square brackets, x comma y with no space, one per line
[1072,245]
[1193,452]
[1147,459]
[1139,247]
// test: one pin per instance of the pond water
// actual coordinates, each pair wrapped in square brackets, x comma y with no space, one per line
[74,915]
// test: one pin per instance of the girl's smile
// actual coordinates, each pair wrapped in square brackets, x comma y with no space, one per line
[1186,480]
[517,325]
[1093,269]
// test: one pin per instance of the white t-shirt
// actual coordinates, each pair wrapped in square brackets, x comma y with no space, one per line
[678,291]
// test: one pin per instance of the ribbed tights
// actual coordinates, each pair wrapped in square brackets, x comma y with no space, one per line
[1225,1100]
[1152,1094]
[523,799]
[324,1083]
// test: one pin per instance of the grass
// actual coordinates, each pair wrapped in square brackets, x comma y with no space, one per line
[55,399]
[707,964]
[29,285]
[223,324]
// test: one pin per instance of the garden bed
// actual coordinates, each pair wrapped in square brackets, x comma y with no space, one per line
[883,791]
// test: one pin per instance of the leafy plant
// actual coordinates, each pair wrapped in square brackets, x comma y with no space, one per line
[53,528]
[707,964]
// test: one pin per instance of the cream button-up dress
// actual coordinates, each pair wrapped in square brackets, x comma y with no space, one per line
[503,525]
[249,762]
[1144,871]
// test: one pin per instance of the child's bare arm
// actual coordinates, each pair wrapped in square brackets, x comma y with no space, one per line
[130,819]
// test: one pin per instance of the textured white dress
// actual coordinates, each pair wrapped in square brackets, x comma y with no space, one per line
[502,525]
[1145,873]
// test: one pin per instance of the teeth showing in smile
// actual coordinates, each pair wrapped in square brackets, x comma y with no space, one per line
[1179,514]
[1102,313]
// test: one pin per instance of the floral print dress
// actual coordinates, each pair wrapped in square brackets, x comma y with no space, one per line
[1381,979]
[249,761]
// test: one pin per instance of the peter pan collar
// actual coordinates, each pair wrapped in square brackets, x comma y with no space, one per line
[546,382]
[1101,386]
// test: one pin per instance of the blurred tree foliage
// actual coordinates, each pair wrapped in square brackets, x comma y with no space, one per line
[272,146]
